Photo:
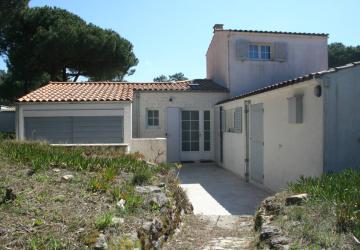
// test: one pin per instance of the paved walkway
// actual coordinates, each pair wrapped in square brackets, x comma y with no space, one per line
[215,191]
[224,206]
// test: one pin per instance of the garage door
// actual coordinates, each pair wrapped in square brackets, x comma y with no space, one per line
[84,129]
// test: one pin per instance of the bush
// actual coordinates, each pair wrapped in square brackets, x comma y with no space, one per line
[7,136]
[103,221]
[342,190]
[42,156]
[142,176]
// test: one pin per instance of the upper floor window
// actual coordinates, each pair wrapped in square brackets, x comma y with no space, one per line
[153,118]
[259,52]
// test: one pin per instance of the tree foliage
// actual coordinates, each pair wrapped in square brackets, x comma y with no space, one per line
[49,43]
[9,10]
[175,77]
[339,54]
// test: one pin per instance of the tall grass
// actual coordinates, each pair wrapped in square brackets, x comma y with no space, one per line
[42,156]
[340,189]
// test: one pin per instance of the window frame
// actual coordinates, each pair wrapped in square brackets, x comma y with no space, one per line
[153,118]
[259,53]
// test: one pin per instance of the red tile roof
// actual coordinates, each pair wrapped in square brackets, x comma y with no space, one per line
[111,91]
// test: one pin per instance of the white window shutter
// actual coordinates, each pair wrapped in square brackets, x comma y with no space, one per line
[281,50]
[238,119]
[242,49]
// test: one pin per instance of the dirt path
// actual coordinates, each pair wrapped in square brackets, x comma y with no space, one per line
[213,232]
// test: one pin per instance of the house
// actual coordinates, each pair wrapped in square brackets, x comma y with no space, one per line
[136,116]
[261,113]
[7,119]
[245,60]
[301,127]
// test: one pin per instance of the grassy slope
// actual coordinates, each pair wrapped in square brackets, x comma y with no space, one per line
[330,218]
[50,213]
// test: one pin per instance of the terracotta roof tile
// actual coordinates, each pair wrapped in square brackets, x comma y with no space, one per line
[275,32]
[111,91]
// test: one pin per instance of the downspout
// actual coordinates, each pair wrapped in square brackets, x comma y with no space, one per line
[228,62]
[324,85]
[247,154]
[17,121]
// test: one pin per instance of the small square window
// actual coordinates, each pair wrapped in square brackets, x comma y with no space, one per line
[260,52]
[253,51]
[153,118]
[265,52]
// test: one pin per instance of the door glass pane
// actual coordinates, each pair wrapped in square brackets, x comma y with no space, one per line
[195,125]
[190,131]
[207,137]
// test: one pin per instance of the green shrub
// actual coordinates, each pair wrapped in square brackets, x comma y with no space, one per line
[142,176]
[103,221]
[43,156]
[116,193]
[342,190]
[7,136]
[133,203]
[98,184]
[46,242]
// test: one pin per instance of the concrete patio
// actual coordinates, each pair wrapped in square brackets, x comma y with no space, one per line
[215,191]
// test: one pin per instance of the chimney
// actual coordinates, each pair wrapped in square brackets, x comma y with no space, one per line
[218,27]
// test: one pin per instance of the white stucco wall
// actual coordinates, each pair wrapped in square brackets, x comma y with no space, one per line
[160,101]
[306,54]
[290,150]
[153,149]
[217,59]
[200,101]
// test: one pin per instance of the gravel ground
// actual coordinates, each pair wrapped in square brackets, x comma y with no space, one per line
[213,232]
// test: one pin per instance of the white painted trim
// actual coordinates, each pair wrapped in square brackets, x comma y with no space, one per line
[147,126]
[73,112]
[91,145]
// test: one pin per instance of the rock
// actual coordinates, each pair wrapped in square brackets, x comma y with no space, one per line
[279,240]
[296,199]
[3,231]
[9,196]
[159,199]
[101,242]
[147,226]
[271,206]
[147,189]
[151,164]
[132,236]
[155,229]
[121,204]
[157,224]
[117,220]
[268,232]
[67,177]
[56,170]
[30,172]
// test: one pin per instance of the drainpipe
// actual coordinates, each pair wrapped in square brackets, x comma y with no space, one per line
[228,62]
[247,138]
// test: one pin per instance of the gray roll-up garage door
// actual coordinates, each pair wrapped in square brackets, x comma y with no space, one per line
[83,129]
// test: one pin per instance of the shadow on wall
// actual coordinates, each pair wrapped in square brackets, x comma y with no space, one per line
[215,191]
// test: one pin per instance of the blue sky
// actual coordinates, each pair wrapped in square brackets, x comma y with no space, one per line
[173,36]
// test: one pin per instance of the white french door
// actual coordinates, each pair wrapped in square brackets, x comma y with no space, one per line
[196,136]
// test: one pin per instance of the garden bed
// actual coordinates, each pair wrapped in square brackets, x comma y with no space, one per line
[313,213]
[70,198]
